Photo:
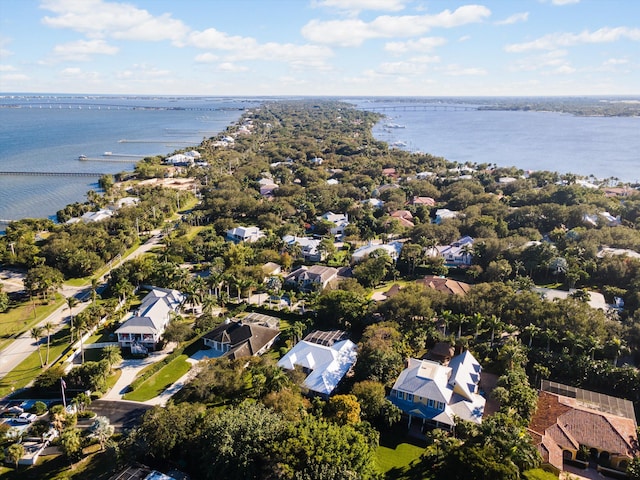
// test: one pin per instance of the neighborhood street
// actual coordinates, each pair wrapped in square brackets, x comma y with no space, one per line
[24,345]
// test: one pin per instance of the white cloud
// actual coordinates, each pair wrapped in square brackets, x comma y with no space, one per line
[553,59]
[7,68]
[424,44]
[98,19]
[142,71]
[246,48]
[515,18]
[231,67]
[457,71]
[556,40]
[82,50]
[616,61]
[564,2]
[13,77]
[464,38]
[359,5]
[353,32]
[71,71]
[4,52]
[207,57]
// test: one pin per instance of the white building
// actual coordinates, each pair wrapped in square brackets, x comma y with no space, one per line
[325,357]
[244,234]
[143,330]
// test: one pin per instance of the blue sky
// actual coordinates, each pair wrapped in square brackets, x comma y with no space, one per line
[321,47]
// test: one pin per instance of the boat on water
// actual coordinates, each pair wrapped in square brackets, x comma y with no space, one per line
[394,125]
[107,154]
[399,144]
[82,157]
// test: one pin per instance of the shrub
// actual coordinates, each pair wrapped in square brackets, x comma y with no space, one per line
[39,408]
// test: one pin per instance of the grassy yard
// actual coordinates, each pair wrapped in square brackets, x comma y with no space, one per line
[397,449]
[97,466]
[21,318]
[30,368]
[162,379]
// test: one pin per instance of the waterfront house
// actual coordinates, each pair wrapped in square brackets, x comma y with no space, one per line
[142,331]
[436,394]
[325,357]
[250,336]
[568,418]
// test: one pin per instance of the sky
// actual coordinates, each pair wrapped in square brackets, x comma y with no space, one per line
[321,47]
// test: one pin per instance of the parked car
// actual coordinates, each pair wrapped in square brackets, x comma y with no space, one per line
[26,417]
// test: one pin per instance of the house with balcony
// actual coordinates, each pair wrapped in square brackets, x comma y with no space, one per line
[340,222]
[143,330]
[434,394]
[309,247]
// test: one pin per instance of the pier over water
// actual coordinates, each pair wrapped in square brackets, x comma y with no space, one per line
[54,174]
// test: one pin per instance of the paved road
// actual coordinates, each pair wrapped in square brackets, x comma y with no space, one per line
[24,345]
[122,415]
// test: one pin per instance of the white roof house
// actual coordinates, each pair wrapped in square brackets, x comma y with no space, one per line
[392,249]
[98,216]
[312,278]
[433,392]
[180,159]
[339,220]
[458,254]
[309,247]
[245,234]
[148,323]
[325,365]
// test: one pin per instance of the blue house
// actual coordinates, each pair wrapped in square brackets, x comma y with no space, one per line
[437,394]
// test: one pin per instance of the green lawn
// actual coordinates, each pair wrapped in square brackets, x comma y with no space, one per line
[21,318]
[397,449]
[162,379]
[97,466]
[30,368]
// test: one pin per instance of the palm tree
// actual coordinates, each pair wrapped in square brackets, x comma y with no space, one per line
[617,347]
[48,328]
[81,327]
[531,330]
[94,289]
[71,302]
[459,319]
[36,333]
[549,334]
[476,320]
[446,316]
[209,302]
[494,323]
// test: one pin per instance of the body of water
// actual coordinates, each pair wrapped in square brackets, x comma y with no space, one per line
[48,133]
[601,146]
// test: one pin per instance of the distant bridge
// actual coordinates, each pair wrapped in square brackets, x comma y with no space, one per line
[54,174]
[419,108]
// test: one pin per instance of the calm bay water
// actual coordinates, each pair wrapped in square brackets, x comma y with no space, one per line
[47,133]
[601,146]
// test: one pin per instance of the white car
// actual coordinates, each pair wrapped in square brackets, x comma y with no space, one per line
[26,417]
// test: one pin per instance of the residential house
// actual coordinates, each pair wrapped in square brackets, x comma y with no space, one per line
[271,269]
[309,247]
[325,357]
[244,234]
[316,277]
[404,217]
[143,330]
[459,254]
[444,214]
[444,285]
[428,201]
[567,418]
[392,249]
[608,251]
[374,202]
[436,394]
[441,352]
[180,159]
[245,337]
[340,222]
